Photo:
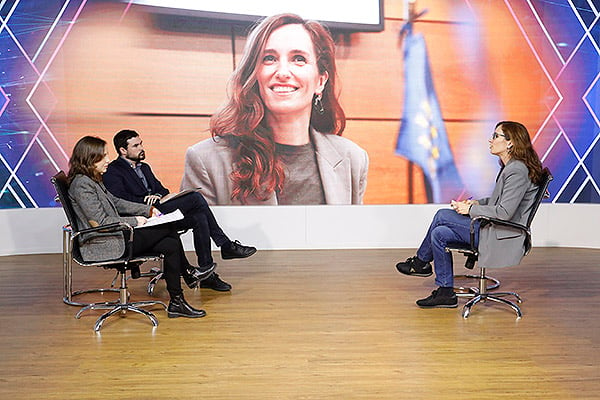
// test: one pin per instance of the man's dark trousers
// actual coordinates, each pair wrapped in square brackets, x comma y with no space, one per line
[199,218]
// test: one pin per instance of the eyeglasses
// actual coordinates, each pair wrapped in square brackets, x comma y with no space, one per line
[496,134]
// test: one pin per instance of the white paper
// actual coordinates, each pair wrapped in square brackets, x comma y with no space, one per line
[163,219]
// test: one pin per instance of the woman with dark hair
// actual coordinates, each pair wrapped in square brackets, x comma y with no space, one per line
[512,200]
[277,138]
[94,205]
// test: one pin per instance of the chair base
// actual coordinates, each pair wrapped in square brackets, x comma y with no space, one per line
[482,297]
[123,308]
[480,293]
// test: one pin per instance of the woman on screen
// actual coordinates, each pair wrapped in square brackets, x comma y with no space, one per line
[277,138]
[94,205]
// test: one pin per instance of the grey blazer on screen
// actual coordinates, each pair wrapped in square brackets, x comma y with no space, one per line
[94,206]
[512,200]
[343,167]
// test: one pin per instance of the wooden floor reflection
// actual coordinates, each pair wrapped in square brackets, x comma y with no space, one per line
[336,324]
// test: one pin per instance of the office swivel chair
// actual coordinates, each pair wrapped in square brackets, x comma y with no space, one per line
[482,292]
[121,265]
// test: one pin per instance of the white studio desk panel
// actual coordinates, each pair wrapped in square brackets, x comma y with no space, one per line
[38,231]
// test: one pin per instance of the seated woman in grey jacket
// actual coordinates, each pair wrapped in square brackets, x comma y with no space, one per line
[512,200]
[94,206]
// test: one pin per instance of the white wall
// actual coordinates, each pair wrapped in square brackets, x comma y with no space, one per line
[35,231]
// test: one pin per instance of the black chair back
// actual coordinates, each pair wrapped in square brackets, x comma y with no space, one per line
[61,184]
[541,194]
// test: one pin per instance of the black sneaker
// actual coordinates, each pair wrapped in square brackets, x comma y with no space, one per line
[236,250]
[414,266]
[215,283]
[439,298]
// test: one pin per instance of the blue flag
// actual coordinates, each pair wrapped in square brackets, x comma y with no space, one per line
[422,138]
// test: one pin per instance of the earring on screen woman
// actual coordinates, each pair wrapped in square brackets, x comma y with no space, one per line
[319,104]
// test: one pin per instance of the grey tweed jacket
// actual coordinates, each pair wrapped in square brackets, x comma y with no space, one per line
[512,200]
[94,206]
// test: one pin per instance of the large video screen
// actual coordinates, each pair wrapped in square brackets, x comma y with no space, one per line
[420,100]
[362,15]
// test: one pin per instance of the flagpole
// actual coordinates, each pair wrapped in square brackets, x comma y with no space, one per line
[409,15]
[410,179]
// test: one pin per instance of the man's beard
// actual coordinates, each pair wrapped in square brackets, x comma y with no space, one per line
[140,157]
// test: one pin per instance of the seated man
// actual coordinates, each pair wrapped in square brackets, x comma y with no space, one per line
[129,178]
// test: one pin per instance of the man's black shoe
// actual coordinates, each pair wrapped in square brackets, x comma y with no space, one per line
[178,307]
[440,298]
[194,275]
[414,266]
[215,283]
[190,280]
[204,272]
[236,250]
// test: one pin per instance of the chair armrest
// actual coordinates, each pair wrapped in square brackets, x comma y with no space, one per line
[114,227]
[502,222]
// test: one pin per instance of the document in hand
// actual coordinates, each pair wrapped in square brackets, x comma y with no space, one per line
[172,196]
[163,219]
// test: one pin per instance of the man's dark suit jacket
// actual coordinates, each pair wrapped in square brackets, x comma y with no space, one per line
[122,181]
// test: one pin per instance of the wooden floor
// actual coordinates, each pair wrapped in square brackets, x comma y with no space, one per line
[307,325]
